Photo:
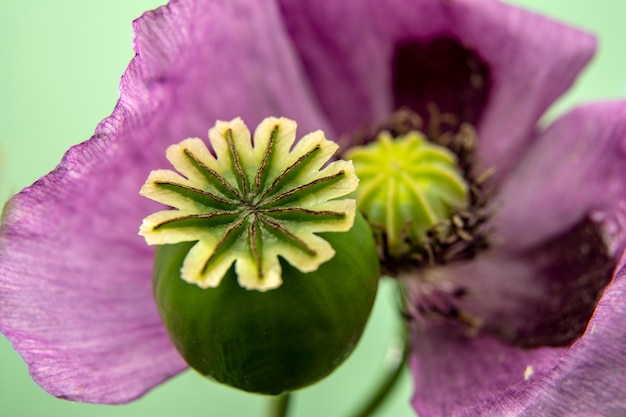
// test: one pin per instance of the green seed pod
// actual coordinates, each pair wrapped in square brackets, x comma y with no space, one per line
[275,341]
[408,185]
[264,274]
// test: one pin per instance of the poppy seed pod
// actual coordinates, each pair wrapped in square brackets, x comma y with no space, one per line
[264,275]
[274,341]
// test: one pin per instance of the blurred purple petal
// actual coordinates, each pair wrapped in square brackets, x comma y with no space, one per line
[564,226]
[539,297]
[75,279]
[531,60]
[457,375]
[575,168]
[589,378]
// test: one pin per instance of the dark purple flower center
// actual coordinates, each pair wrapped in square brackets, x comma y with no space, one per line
[440,77]
[571,270]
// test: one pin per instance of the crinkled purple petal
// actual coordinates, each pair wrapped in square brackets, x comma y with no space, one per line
[576,168]
[458,375]
[75,279]
[347,49]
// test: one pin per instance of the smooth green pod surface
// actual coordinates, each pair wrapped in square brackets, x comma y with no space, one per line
[279,340]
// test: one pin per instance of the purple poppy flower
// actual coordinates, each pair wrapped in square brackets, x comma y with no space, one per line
[75,289]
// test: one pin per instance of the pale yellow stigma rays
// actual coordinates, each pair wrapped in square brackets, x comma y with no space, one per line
[253,202]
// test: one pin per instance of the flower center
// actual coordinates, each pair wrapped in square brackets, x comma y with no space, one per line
[407,186]
[252,202]
[420,192]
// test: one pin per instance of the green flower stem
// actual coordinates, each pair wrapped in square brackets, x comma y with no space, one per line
[279,405]
[390,380]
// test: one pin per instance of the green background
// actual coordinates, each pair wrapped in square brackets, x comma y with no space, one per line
[60,63]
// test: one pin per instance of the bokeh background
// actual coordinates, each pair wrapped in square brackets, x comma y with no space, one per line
[60,63]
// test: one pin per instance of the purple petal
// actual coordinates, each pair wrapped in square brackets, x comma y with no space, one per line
[575,169]
[544,296]
[347,49]
[464,375]
[589,378]
[75,279]
[459,375]
[563,221]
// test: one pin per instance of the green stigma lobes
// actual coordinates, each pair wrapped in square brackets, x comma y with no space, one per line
[252,202]
[264,272]
[407,185]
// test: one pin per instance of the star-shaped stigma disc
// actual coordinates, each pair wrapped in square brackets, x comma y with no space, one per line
[250,201]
